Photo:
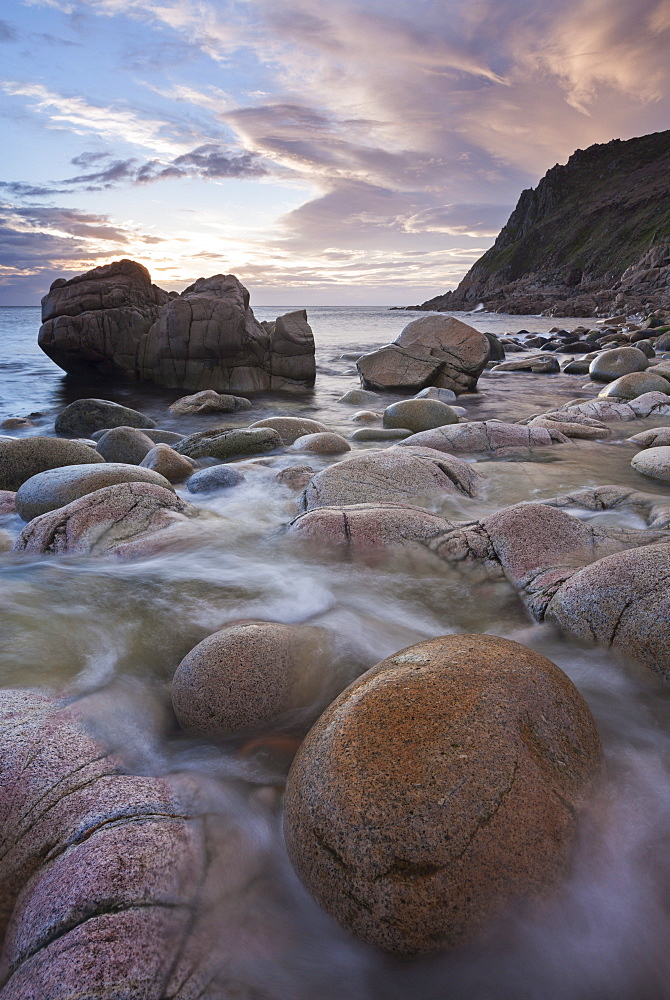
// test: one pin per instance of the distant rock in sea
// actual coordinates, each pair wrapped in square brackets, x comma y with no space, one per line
[112,321]
[593,237]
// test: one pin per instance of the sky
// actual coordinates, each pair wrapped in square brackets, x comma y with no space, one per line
[348,152]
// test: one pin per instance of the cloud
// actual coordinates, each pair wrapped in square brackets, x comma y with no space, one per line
[460,220]
[409,126]
[37,240]
[211,160]
[112,124]
[8,32]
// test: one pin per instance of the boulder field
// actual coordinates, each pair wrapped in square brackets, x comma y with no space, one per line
[431,795]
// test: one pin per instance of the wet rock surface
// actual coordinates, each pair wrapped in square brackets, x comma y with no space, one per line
[25,457]
[107,876]
[225,443]
[491,435]
[441,784]
[413,475]
[85,416]
[508,526]
[125,520]
[124,444]
[250,677]
[57,487]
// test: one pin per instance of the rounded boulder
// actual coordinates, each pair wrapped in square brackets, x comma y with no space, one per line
[290,428]
[85,416]
[217,477]
[440,785]
[324,443]
[247,677]
[22,458]
[57,487]
[124,444]
[609,365]
[167,462]
[360,397]
[419,414]
[635,384]
[653,462]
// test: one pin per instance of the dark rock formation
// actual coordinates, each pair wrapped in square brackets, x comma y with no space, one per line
[431,351]
[112,321]
[592,237]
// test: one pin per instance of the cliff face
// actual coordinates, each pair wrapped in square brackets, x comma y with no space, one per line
[592,237]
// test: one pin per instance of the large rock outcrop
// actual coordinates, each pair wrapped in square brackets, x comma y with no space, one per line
[592,237]
[431,351]
[112,321]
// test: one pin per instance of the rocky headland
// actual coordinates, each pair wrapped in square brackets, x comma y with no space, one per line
[592,238]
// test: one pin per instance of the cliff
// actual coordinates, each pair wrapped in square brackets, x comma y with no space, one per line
[592,237]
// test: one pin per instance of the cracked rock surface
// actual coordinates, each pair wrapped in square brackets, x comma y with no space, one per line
[112,321]
[443,782]
[431,351]
[407,475]
[125,520]
[111,883]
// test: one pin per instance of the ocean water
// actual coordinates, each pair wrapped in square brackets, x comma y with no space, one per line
[112,634]
[30,381]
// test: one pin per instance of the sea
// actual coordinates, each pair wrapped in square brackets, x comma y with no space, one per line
[114,632]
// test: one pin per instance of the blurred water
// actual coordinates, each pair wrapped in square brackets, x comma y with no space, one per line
[113,633]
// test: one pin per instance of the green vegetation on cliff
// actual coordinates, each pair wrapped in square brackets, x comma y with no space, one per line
[580,230]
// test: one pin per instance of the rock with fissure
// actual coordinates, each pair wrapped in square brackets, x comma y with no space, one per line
[439,786]
[113,322]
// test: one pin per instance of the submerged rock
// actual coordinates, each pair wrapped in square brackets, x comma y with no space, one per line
[295,477]
[85,416]
[222,442]
[209,401]
[437,788]
[360,397]
[22,458]
[217,477]
[250,677]
[126,520]
[432,392]
[419,414]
